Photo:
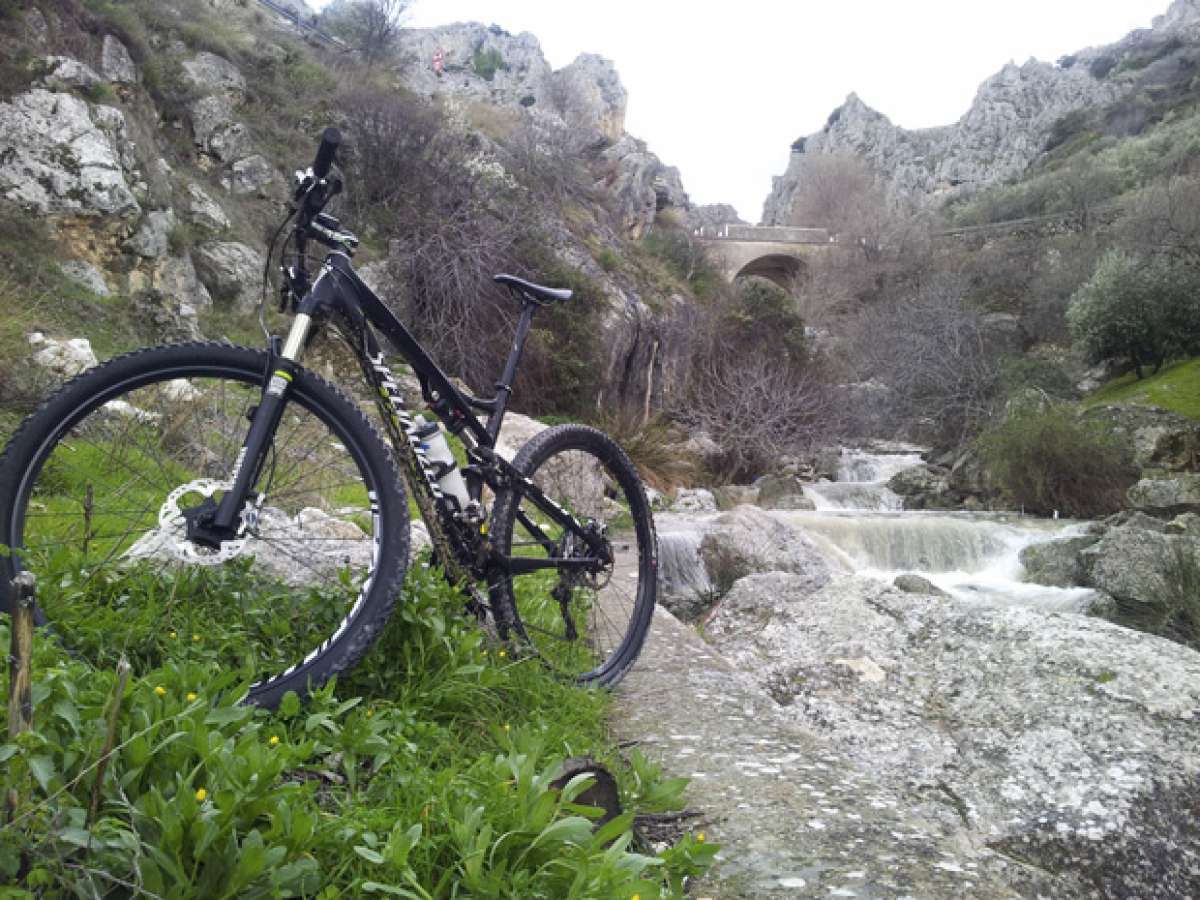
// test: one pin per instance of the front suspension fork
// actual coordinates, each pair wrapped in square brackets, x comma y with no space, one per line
[263,424]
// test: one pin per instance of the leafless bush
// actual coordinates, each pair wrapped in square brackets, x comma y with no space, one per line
[369,26]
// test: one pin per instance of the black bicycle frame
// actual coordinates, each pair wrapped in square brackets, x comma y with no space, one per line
[338,291]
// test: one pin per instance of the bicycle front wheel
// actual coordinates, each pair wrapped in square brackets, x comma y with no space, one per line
[97,488]
[586,624]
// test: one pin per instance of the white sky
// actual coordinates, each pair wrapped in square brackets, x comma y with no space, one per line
[722,89]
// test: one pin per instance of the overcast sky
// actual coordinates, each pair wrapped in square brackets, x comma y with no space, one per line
[722,89]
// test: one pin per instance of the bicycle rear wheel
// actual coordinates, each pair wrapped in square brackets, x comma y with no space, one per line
[588,626]
[96,488]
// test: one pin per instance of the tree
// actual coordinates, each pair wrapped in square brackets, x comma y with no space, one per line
[369,26]
[1141,308]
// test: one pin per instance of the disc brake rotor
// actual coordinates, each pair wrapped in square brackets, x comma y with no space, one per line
[173,526]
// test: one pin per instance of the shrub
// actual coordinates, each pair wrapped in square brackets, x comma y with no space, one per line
[487,62]
[1046,459]
[654,448]
[1138,308]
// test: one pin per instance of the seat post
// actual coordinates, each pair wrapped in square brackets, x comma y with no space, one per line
[504,385]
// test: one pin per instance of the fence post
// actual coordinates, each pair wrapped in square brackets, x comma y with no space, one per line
[20,660]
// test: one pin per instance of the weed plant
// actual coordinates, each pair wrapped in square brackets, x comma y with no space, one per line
[425,773]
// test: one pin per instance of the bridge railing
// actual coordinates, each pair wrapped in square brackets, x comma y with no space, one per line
[773,234]
[307,27]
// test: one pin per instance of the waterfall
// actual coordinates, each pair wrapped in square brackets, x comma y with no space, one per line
[680,569]
[862,481]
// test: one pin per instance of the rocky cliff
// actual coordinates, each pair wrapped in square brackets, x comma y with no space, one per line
[1009,125]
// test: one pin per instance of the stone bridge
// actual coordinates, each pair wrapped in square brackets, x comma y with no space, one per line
[777,253]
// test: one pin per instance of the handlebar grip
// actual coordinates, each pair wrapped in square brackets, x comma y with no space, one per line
[331,139]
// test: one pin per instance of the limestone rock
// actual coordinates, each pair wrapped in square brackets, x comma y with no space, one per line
[694,500]
[1129,562]
[1056,563]
[216,128]
[153,237]
[713,215]
[37,29]
[62,72]
[746,540]
[641,184]
[516,432]
[732,495]
[175,277]
[252,175]
[204,212]
[591,97]
[923,487]
[231,272]
[116,63]
[66,358]
[208,73]
[1060,739]
[1178,494]
[62,158]
[1157,438]
[782,492]
[165,316]
[87,275]
[911,583]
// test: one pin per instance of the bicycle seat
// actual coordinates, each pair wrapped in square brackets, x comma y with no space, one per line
[536,292]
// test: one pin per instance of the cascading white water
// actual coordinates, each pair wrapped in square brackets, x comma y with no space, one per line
[974,556]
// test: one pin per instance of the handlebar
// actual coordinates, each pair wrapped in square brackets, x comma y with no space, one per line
[331,139]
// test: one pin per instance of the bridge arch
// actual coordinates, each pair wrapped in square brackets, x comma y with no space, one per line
[783,269]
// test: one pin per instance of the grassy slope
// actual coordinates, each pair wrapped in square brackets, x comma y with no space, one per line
[1176,388]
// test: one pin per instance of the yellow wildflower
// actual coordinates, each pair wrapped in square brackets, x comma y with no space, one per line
[161,691]
[172,634]
[196,638]
[200,795]
[192,697]
[274,741]
[700,838]
[502,654]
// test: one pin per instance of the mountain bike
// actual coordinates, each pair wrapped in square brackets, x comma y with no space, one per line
[235,501]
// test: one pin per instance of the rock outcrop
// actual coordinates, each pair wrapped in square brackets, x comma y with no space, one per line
[1060,740]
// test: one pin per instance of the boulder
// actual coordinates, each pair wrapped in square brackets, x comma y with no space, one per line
[153,237]
[175,277]
[782,492]
[1158,438]
[252,175]
[165,316]
[746,540]
[86,275]
[1056,563]
[516,433]
[231,272]
[207,73]
[204,212]
[1057,739]
[694,500]
[730,495]
[116,63]
[216,129]
[61,157]
[911,583]
[60,73]
[1178,494]
[924,487]
[64,358]
[592,96]
[641,184]
[1130,562]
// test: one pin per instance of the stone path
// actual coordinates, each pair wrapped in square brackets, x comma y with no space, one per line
[794,817]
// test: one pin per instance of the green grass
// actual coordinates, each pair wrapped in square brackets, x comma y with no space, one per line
[424,773]
[1175,388]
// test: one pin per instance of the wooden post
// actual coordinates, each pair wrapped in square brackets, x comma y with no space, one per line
[20,660]
[110,738]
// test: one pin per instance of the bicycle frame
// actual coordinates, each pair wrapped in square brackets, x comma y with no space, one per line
[460,540]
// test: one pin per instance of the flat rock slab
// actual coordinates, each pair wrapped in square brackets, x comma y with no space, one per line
[794,817]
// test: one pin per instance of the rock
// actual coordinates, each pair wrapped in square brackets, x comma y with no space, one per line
[1175,495]
[252,175]
[175,277]
[1188,523]
[231,272]
[62,158]
[153,237]
[165,316]
[591,96]
[516,432]
[1130,563]
[923,487]
[782,492]
[712,216]
[37,29]
[746,540]
[204,212]
[641,185]
[694,500]
[65,358]
[731,495]
[215,128]
[1158,438]
[116,63]
[87,275]
[1064,740]
[208,73]
[911,583]
[1056,563]
[60,73]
